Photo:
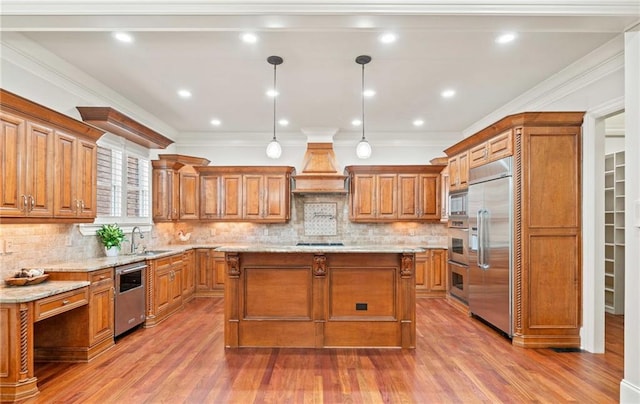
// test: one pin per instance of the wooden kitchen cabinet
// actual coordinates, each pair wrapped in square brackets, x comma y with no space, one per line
[164,288]
[27,166]
[49,164]
[76,177]
[188,275]
[459,171]
[431,273]
[253,193]
[80,335]
[175,187]
[210,272]
[546,231]
[394,193]
[493,149]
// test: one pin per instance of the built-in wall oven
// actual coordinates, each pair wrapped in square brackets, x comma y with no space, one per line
[458,246]
[130,296]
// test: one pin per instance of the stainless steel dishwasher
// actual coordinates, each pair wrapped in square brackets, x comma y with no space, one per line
[130,296]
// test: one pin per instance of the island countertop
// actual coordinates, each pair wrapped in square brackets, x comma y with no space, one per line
[320,248]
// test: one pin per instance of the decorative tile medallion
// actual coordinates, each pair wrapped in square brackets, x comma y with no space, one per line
[320,219]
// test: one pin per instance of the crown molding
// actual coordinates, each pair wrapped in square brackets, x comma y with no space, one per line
[600,63]
[31,57]
[228,7]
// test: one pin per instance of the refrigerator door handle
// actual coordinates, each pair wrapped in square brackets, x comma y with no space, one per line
[483,262]
[479,258]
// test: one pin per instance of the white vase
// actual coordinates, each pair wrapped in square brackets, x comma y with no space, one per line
[112,251]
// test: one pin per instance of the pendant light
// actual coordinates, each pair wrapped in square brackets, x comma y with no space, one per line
[274,150]
[363,150]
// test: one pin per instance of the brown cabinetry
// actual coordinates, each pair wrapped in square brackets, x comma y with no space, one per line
[75,177]
[394,193]
[258,194]
[210,272]
[547,195]
[48,163]
[27,167]
[459,171]
[431,272]
[79,335]
[175,186]
[493,149]
[164,288]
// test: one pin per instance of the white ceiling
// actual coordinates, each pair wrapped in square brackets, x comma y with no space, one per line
[319,81]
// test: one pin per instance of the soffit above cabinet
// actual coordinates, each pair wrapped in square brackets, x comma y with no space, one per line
[110,120]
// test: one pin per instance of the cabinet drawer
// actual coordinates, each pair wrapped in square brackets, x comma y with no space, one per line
[54,305]
[104,276]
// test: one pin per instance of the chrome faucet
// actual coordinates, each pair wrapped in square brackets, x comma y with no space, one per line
[134,247]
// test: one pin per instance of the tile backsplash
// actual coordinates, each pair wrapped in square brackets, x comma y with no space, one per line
[38,244]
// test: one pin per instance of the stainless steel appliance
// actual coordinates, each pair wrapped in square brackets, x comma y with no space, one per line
[458,246]
[490,243]
[130,296]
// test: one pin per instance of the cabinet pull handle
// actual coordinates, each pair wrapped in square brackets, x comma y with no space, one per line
[64,302]
[113,293]
[77,206]
[82,206]
[32,202]
[24,204]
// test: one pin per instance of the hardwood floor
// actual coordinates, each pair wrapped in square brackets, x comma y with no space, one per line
[457,359]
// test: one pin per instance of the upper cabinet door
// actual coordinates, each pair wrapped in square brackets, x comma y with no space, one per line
[276,197]
[253,196]
[65,202]
[13,201]
[189,196]
[86,178]
[387,188]
[210,187]
[429,190]
[363,196]
[231,208]
[39,170]
[408,196]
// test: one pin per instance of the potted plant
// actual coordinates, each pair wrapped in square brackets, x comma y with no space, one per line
[112,236]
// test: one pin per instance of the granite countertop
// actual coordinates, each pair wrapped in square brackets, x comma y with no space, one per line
[274,248]
[96,264]
[22,294]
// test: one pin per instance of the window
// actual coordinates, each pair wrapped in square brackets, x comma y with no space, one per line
[123,184]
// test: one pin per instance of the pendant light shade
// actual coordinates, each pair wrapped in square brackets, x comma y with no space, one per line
[363,150]
[274,150]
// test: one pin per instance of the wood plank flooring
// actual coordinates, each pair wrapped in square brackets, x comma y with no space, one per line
[457,360]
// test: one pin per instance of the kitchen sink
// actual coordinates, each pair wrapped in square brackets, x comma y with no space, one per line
[153,252]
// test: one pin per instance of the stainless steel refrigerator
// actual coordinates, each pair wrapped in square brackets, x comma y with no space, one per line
[491,243]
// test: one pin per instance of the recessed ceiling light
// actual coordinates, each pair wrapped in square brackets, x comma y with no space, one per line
[184,93]
[369,93]
[249,37]
[356,122]
[216,122]
[418,122]
[123,37]
[448,93]
[283,122]
[272,93]
[388,37]
[506,38]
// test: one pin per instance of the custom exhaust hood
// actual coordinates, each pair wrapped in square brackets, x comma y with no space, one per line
[320,170]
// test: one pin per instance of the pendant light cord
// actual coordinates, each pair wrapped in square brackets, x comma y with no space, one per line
[362,96]
[275,95]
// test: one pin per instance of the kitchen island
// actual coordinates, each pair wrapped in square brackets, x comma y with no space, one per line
[320,296]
